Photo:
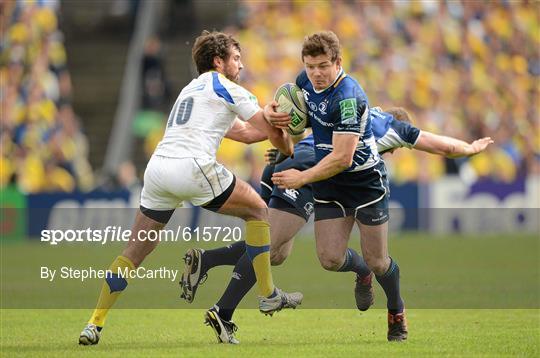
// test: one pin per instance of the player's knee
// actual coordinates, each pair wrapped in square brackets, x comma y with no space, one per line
[138,248]
[277,257]
[377,265]
[257,210]
[330,262]
[259,214]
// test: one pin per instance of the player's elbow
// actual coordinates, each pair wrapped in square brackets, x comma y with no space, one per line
[254,138]
[344,160]
[450,151]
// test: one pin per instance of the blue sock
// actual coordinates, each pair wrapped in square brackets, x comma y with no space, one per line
[390,284]
[226,255]
[243,279]
[355,263]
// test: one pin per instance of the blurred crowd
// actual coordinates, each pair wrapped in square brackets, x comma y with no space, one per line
[42,145]
[467,69]
[461,68]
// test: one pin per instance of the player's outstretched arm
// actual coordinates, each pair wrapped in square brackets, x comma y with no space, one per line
[244,132]
[450,147]
[276,136]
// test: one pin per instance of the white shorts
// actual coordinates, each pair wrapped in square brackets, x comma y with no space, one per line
[170,181]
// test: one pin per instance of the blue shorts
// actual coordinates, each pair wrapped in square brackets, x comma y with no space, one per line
[363,195]
[299,201]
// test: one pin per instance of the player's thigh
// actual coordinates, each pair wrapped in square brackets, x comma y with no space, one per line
[332,236]
[245,203]
[140,245]
[374,242]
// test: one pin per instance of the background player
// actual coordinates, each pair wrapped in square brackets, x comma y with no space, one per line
[184,167]
[289,210]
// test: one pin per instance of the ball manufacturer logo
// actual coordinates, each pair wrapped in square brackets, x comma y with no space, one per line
[295,119]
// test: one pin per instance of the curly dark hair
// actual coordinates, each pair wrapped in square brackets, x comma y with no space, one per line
[400,114]
[210,45]
[321,43]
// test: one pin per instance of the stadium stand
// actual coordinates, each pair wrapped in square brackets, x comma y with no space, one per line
[467,69]
[43,145]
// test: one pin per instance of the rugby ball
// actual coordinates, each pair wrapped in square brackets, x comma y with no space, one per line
[290,100]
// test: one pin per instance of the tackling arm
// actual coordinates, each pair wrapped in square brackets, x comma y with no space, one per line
[277,137]
[448,146]
[245,132]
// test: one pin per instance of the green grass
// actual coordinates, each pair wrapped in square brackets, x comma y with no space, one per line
[344,333]
[450,272]
[465,296]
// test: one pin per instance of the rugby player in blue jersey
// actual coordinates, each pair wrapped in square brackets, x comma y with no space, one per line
[290,209]
[349,180]
[292,206]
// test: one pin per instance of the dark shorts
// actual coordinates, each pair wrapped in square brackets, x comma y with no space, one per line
[363,195]
[295,201]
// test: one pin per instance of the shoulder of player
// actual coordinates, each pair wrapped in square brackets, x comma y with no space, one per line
[349,85]
[404,130]
[302,79]
[348,88]
[227,89]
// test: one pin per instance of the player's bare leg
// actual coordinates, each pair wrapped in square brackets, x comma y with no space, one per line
[283,227]
[137,249]
[375,251]
[132,256]
[332,237]
[245,203]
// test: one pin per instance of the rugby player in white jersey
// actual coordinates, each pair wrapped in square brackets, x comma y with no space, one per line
[184,168]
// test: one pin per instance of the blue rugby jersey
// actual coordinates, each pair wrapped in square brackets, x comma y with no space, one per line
[343,107]
[389,132]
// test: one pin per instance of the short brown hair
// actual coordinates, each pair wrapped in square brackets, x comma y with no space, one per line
[210,45]
[400,114]
[321,43]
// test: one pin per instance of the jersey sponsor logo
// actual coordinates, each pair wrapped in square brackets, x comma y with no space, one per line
[291,193]
[347,108]
[323,123]
[322,107]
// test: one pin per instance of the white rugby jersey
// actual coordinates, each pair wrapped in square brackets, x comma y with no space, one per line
[202,114]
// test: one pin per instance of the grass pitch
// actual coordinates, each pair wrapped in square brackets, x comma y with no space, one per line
[321,333]
[465,296]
